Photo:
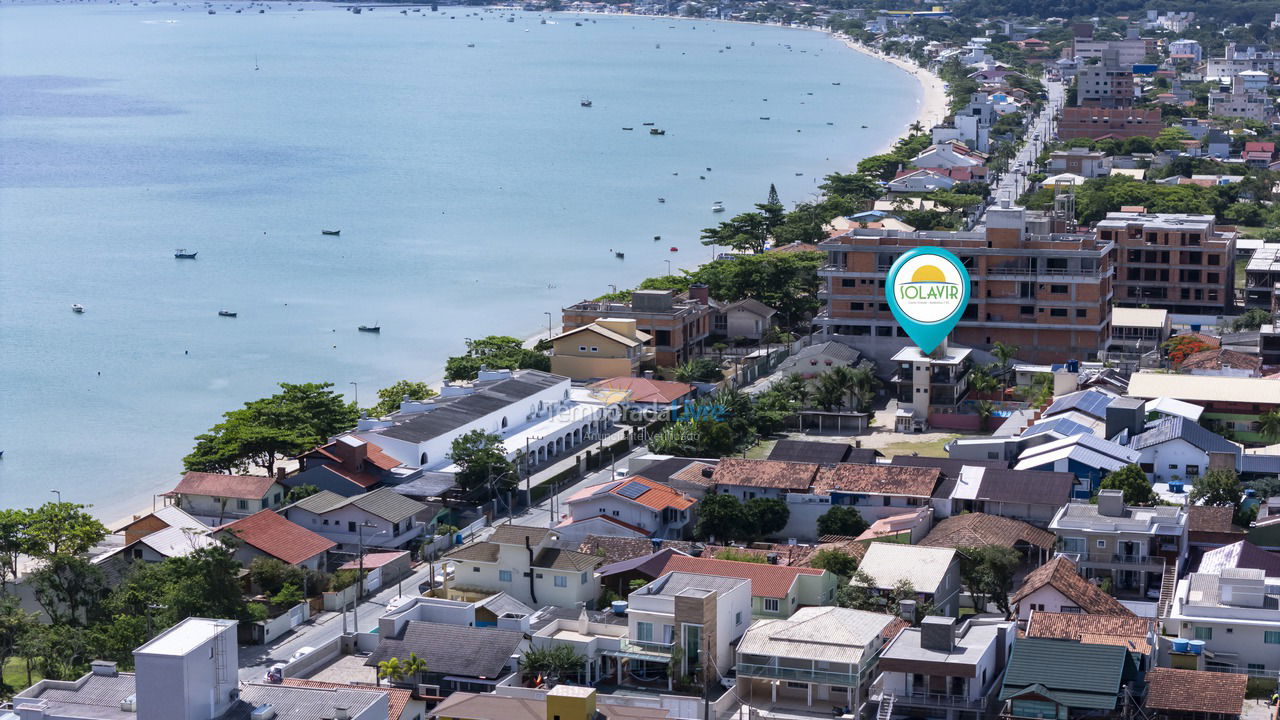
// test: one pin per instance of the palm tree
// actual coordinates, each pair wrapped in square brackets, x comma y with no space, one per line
[1269,426]
[828,393]
[865,384]
[415,667]
[795,388]
[843,377]
[916,127]
[391,670]
[1004,353]
[982,381]
[985,410]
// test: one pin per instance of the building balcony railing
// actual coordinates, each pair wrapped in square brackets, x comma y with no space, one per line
[1090,275]
[774,672]
[933,700]
[1150,562]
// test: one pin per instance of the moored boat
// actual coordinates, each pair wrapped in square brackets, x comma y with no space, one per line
[656,131]
[227,313]
[77,308]
[370,328]
[330,232]
[182,254]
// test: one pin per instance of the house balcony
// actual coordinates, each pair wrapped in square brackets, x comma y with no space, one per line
[1149,563]
[775,672]
[933,700]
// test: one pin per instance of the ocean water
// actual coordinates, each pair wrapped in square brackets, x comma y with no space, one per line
[473,193]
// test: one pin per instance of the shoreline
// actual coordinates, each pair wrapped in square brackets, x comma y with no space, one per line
[931,108]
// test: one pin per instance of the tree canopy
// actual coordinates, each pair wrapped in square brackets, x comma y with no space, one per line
[841,520]
[494,352]
[481,458]
[389,398]
[1132,481]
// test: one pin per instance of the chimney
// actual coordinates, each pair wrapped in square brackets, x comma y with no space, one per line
[938,633]
[907,609]
[105,668]
[1111,503]
[700,293]
[280,473]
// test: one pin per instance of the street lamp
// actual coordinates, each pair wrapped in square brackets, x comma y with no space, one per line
[548,314]
[357,392]
[355,613]
[668,262]
[58,493]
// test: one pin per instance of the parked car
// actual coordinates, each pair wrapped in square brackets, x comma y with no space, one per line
[302,652]
[275,674]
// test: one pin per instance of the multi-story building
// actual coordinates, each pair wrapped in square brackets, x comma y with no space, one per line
[1131,545]
[944,668]
[526,563]
[382,518]
[1238,100]
[633,507]
[1047,293]
[693,620]
[1105,85]
[1232,405]
[1119,123]
[1236,59]
[609,347]
[677,328]
[1136,331]
[1186,48]
[1175,261]
[1236,614]
[1080,161]
[929,383]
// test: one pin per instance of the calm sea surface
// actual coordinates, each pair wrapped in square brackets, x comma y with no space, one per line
[472,190]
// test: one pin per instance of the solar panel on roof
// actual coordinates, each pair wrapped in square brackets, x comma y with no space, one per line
[633,490]
[608,487]
[1062,426]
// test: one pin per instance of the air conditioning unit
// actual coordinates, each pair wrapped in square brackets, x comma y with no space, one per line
[263,712]
[129,704]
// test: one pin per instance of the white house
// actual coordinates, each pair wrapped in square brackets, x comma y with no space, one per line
[632,507]
[1057,587]
[525,563]
[949,155]
[532,411]
[1236,614]
[1175,448]
[219,497]
[383,518]
[934,572]
[702,615]
[922,180]
[268,534]
[746,318]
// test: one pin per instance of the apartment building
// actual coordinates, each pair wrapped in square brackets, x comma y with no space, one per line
[1131,545]
[1176,261]
[690,622]
[1235,613]
[677,328]
[1119,123]
[1047,293]
[1237,99]
[1236,59]
[1105,85]
[1080,161]
[929,383]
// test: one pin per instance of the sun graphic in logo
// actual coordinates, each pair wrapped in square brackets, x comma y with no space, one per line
[928,274]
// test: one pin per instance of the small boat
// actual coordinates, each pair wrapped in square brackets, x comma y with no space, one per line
[673,248]
[577,24]
[77,308]
[662,200]
[226,313]
[471,44]
[835,83]
[656,131]
[831,123]
[619,255]
[718,207]
[864,127]
[330,232]
[764,117]
[182,254]
[543,21]
[799,174]
[213,12]
[630,128]
[656,238]
[585,103]
[511,19]
[370,328]
[646,124]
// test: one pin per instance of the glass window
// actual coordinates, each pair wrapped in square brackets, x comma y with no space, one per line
[585,577]
[504,576]
[644,632]
[242,504]
[562,581]
[1204,633]
[1257,669]
[1271,637]
[737,620]
[771,605]
[1073,544]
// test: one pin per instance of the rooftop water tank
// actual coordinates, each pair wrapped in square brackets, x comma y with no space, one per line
[1180,645]
[1175,486]
[619,607]
[1197,647]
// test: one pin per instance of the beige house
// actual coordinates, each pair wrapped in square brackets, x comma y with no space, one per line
[525,563]
[608,347]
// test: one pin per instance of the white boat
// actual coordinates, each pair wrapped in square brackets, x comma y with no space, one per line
[77,308]
[718,207]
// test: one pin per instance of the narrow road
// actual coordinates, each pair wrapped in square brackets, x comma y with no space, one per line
[1013,182]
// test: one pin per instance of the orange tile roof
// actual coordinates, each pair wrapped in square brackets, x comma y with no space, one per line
[644,390]
[777,474]
[1061,574]
[877,479]
[276,536]
[397,698]
[248,487]
[1196,691]
[658,496]
[771,581]
[1127,630]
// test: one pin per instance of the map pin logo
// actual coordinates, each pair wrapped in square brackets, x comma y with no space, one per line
[928,290]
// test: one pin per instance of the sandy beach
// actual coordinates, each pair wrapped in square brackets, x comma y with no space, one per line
[933,107]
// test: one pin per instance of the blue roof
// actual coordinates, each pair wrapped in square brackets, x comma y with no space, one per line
[1180,428]
[1062,426]
[1090,402]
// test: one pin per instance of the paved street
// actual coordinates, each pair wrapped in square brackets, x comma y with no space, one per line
[540,515]
[1014,182]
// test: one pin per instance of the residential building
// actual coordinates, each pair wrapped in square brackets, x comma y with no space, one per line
[1261,275]
[1221,362]
[537,415]
[1191,694]
[775,590]
[348,466]
[1050,294]
[645,393]
[382,518]
[1138,331]
[567,702]
[824,453]
[403,704]
[165,517]
[1241,554]
[525,563]
[1136,634]
[1120,123]
[1064,680]
[1131,545]
[949,155]
[1235,614]
[1238,100]
[987,486]
[944,668]
[678,328]
[978,529]
[1258,153]
[1186,48]
[934,572]
[1236,59]
[1057,587]
[810,362]
[217,498]
[1231,404]
[701,614]
[1108,84]
[631,507]
[1175,449]
[921,180]
[189,672]
[458,657]
[931,383]
[746,318]
[1175,261]
[822,654]
[608,347]
[158,546]
[1080,161]
[268,534]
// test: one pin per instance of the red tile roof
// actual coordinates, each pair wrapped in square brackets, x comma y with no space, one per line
[658,496]
[1127,630]
[1061,574]
[374,560]
[776,474]
[771,581]
[978,529]
[1194,691]
[248,487]
[644,390]
[278,537]
[877,480]
[398,698]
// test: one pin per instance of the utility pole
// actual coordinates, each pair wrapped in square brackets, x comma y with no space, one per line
[355,603]
[549,333]
[356,395]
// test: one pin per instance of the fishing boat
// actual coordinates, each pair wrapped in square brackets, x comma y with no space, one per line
[656,131]
[330,232]
[662,200]
[646,124]
[370,328]
[471,44]
[764,117]
[182,254]
[673,248]
[577,24]
[226,313]
[620,255]
[77,308]
[717,207]
[630,128]
[585,103]
[656,238]
[835,83]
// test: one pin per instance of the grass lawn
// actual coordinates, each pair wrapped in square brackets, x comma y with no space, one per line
[927,448]
[761,450]
[1250,230]
[1240,266]
[15,674]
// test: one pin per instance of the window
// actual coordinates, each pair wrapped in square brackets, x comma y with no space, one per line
[242,504]
[1058,289]
[644,632]
[1081,312]
[1204,633]
[1257,669]
[504,576]
[1073,544]
[1101,543]
[475,569]
[737,618]
[585,577]
[562,581]
[582,348]
[771,604]
[1057,312]
[351,526]
[1271,637]
[595,349]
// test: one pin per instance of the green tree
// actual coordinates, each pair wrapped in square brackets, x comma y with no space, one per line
[737,555]
[14,624]
[204,583]
[699,370]
[553,663]
[389,398]
[298,492]
[271,574]
[391,670]
[1132,481]
[14,541]
[858,186]
[1269,426]
[1005,353]
[841,520]
[481,460]
[766,516]
[836,561]
[62,528]
[988,572]
[494,352]
[747,232]
[415,667]
[1251,320]
[1220,487]
[288,596]
[880,167]
[722,517]
[69,589]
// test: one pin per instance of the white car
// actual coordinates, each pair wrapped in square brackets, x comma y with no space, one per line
[302,652]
